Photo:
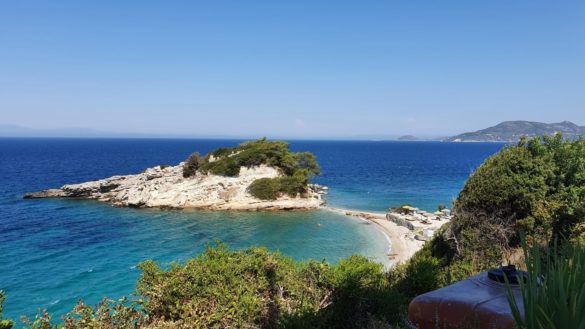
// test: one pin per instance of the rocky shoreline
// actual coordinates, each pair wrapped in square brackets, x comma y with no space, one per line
[165,187]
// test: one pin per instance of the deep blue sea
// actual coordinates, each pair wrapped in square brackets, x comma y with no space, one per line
[54,252]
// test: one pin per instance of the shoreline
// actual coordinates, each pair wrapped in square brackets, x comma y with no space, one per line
[401,242]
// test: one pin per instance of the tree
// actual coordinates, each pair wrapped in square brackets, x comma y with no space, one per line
[192,165]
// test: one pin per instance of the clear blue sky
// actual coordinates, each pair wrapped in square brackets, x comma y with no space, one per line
[292,69]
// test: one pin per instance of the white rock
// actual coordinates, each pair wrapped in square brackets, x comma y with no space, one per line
[157,187]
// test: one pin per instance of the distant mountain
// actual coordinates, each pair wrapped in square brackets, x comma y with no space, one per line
[511,131]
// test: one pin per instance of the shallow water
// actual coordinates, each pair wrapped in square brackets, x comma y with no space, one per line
[53,252]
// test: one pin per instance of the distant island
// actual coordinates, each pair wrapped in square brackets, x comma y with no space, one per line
[512,131]
[408,138]
[256,175]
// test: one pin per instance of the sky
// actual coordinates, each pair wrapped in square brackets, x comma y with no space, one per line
[297,69]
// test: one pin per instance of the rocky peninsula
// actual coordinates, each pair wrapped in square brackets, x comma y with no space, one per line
[258,175]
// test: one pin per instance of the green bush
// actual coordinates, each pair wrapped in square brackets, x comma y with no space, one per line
[425,272]
[536,187]
[108,314]
[257,288]
[227,161]
[295,168]
[265,188]
[4,324]
[192,164]
[251,288]
[272,188]
[221,152]
[293,185]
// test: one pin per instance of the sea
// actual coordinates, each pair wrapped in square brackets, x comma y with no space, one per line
[55,252]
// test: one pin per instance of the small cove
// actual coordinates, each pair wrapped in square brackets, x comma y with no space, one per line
[53,252]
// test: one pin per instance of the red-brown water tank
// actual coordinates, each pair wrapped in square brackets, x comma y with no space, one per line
[478,302]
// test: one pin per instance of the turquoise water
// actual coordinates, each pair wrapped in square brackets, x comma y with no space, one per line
[54,252]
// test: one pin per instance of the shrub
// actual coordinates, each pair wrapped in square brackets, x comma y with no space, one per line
[536,187]
[554,293]
[4,324]
[423,275]
[192,165]
[272,188]
[223,288]
[296,168]
[228,161]
[360,291]
[250,288]
[292,185]
[221,152]
[265,188]
[307,161]
[256,288]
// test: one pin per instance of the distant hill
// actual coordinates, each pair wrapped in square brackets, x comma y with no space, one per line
[511,131]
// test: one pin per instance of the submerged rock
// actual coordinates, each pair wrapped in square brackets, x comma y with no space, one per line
[165,187]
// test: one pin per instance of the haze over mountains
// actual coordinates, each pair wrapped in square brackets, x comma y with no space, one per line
[507,131]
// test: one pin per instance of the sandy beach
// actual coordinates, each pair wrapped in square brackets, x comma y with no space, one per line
[402,242]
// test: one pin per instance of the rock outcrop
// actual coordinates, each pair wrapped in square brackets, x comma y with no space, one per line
[165,187]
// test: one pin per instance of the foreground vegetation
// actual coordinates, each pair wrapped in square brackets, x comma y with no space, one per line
[535,189]
[4,324]
[255,288]
[554,292]
[296,167]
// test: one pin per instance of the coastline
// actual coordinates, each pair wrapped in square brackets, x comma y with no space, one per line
[401,242]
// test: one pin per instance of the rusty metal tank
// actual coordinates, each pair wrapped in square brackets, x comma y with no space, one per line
[480,302]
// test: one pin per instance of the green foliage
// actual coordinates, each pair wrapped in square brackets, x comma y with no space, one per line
[296,168]
[227,161]
[425,270]
[256,288]
[536,187]
[41,321]
[306,161]
[222,152]
[192,165]
[107,314]
[554,293]
[223,288]
[4,324]
[265,188]
[252,288]
[272,188]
